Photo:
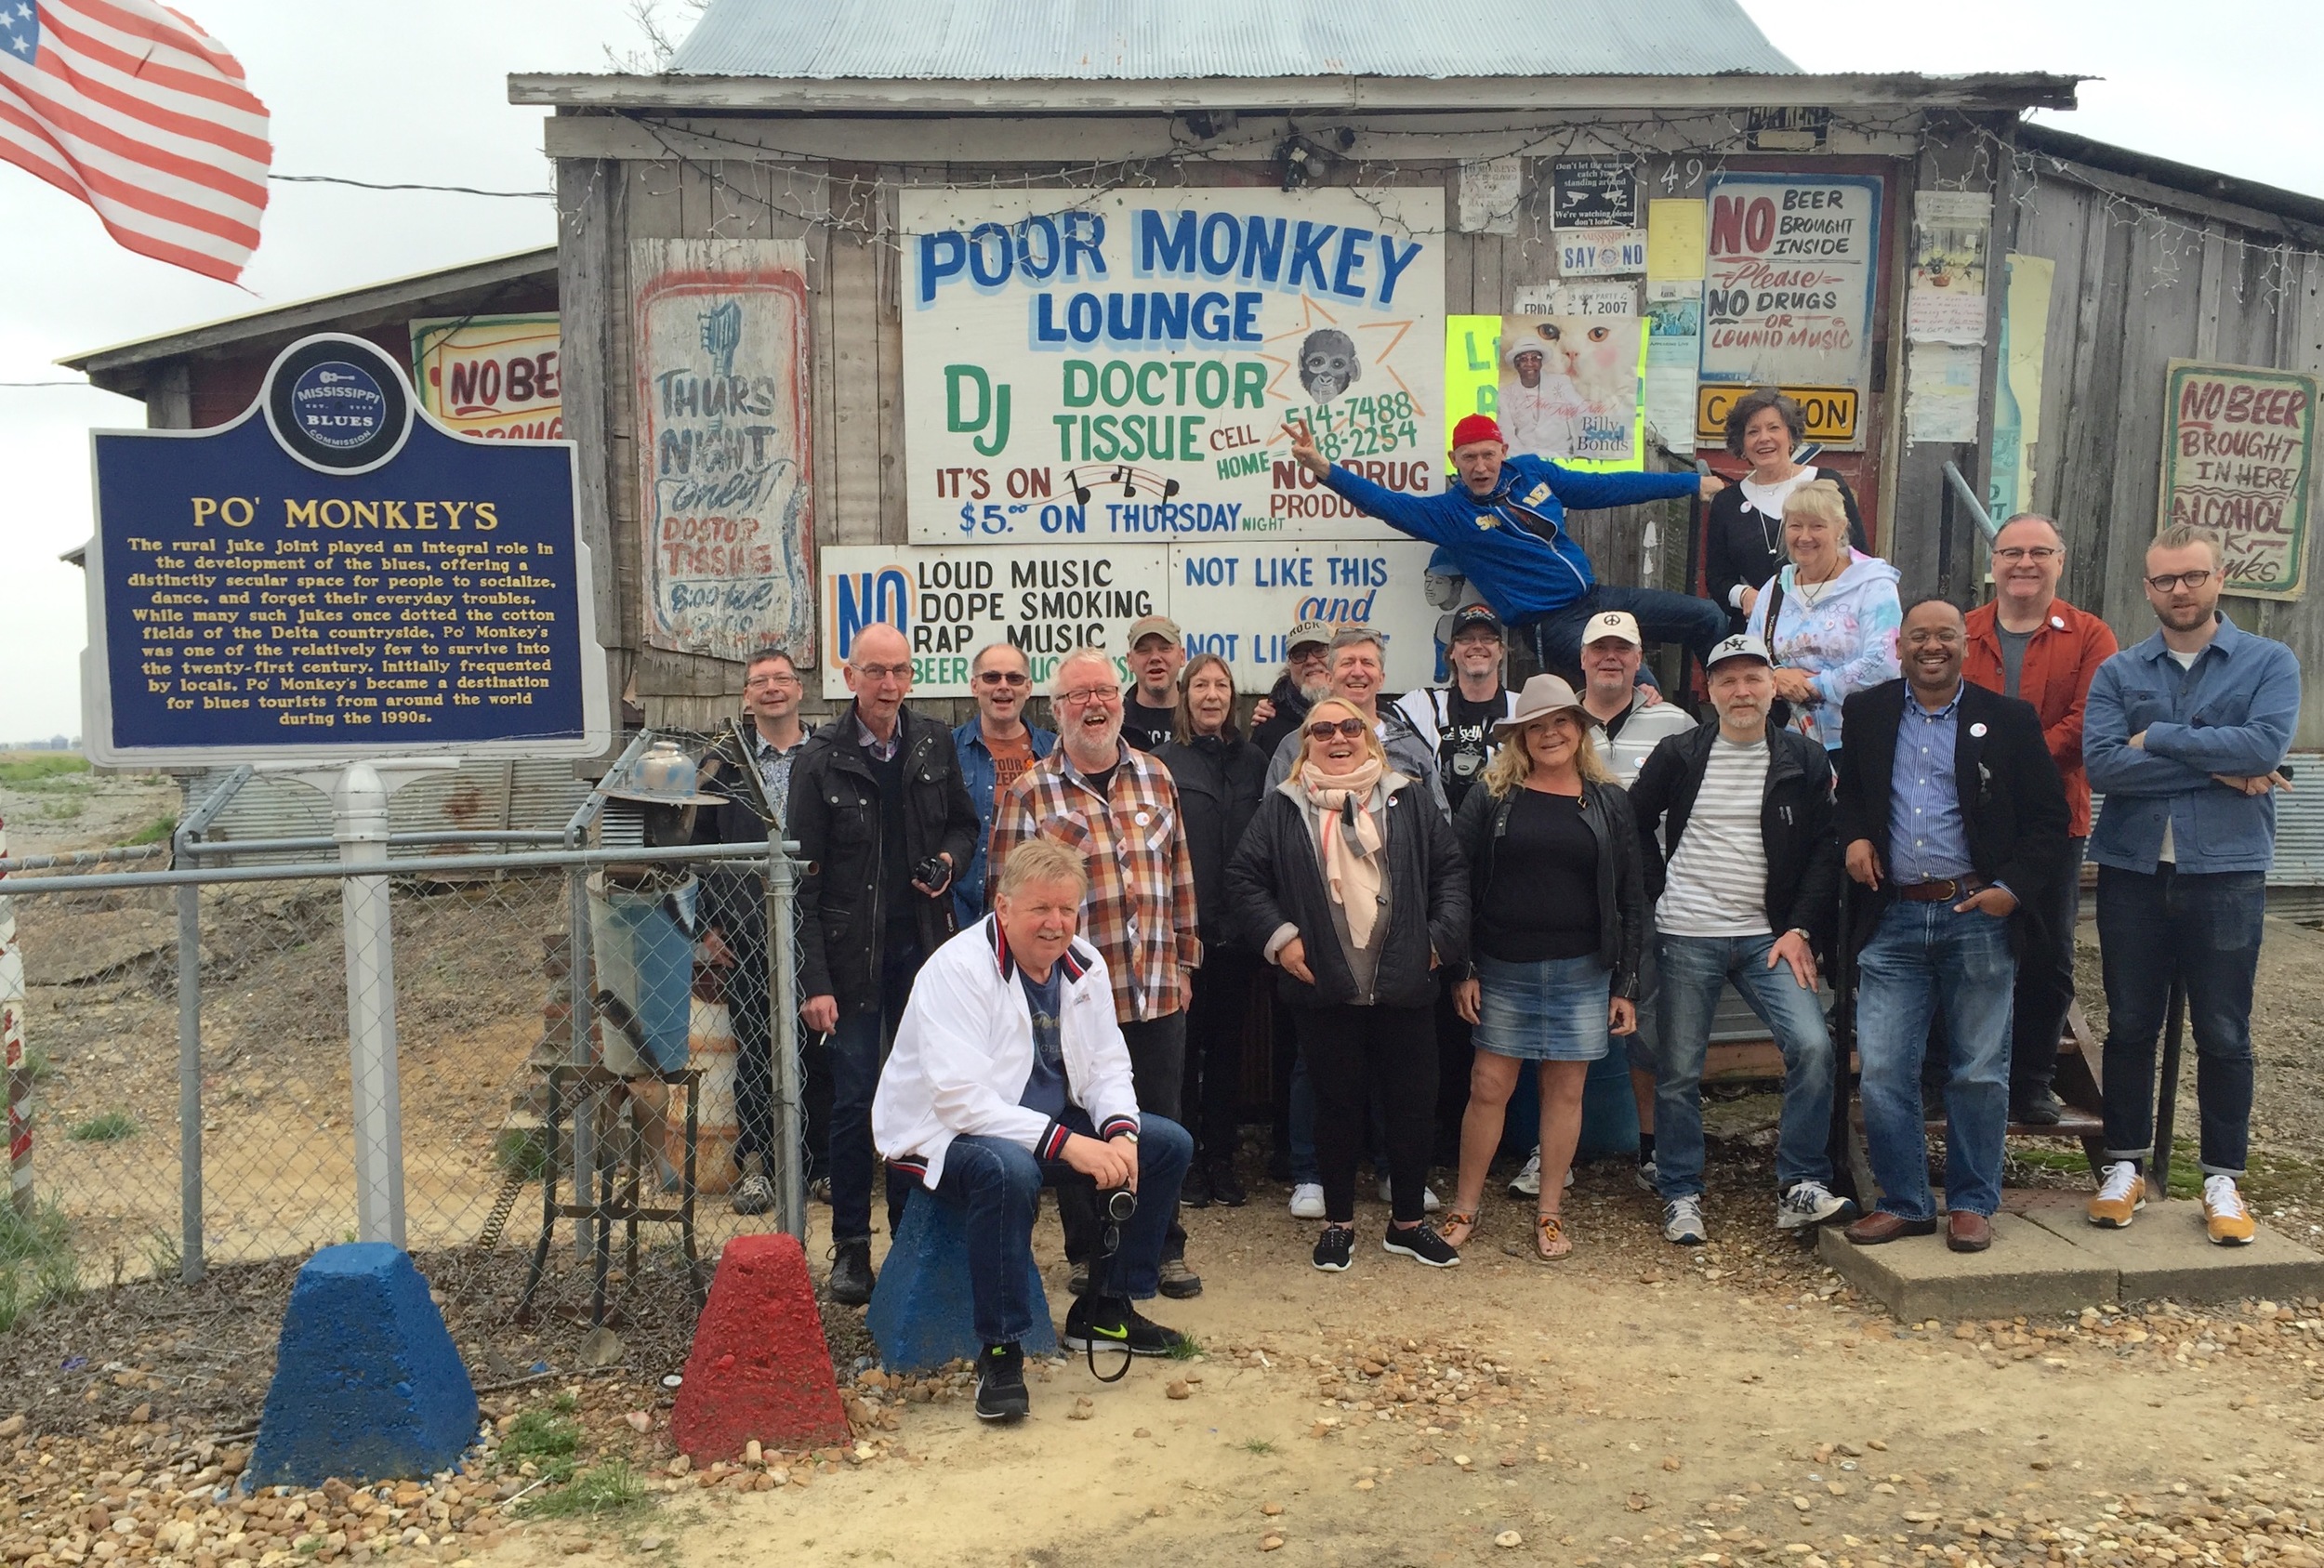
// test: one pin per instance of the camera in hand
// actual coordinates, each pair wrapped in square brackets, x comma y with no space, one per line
[933,872]
[1119,1203]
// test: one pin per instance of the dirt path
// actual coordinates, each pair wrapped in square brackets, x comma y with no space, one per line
[1624,1407]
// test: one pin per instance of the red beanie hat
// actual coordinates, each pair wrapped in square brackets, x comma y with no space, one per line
[1475,427]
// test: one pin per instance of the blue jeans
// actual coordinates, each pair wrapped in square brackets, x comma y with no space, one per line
[1925,959]
[1662,616]
[859,1048]
[1694,970]
[998,1183]
[2203,929]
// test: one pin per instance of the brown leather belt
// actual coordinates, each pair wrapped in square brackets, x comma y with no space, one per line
[1946,887]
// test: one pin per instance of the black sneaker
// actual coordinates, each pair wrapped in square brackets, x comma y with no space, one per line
[1000,1393]
[1226,1188]
[1194,1188]
[1422,1245]
[2036,1107]
[1335,1249]
[1077,1279]
[852,1273]
[1112,1323]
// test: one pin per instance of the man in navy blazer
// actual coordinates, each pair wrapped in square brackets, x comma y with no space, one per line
[1954,815]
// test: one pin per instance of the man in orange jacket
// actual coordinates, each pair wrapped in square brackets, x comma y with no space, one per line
[2032,644]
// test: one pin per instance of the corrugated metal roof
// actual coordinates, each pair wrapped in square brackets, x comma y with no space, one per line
[1151,40]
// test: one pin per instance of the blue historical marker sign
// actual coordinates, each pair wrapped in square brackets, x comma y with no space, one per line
[335,575]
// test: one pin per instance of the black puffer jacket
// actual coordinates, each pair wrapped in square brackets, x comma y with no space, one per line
[1290,713]
[1276,878]
[836,817]
[1483,820]
[1220,780]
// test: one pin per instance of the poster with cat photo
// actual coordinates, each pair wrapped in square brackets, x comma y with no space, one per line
[1569,387]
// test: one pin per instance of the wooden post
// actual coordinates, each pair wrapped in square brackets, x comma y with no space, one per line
[12,1036]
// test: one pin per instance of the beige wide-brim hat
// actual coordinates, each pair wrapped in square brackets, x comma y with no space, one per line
[1543,695]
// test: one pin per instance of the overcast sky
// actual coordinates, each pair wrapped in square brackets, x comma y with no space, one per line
[417,92]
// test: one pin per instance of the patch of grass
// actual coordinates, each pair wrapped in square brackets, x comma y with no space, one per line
[521,1152]
[1187,1348]
[36,1264]
[541,1437]
[157,830]
[109,1127]
[566,1403]
[32,772]
[1259,1446]
[602,1491]
[38,1066]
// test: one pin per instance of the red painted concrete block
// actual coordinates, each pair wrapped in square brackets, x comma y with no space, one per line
[759,1367]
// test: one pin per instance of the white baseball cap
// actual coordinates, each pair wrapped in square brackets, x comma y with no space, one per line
[1612,623]
[1739,646]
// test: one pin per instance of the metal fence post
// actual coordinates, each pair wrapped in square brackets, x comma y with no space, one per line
[581,1017]
[789,1174]
[190,1262]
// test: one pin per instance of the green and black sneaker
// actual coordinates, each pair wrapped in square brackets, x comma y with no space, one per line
[1000,1394]
[1112,1323]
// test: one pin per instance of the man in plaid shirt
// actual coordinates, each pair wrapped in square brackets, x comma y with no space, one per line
[1119,808]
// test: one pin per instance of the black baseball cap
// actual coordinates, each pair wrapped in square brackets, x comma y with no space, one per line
[1470,615]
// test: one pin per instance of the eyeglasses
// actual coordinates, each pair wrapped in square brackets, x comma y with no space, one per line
[1091,696]
[1324,729]
[882,672]
[2171,580]
[1001,678]
[2027,552]
[758,680]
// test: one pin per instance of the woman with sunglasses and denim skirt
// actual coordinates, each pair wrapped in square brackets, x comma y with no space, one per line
[1348,881]
[1560,903]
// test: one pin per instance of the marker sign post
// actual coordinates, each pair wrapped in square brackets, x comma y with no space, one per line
[337,587]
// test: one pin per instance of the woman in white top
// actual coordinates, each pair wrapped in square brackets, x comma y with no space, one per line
[1830,618]
[1743,533]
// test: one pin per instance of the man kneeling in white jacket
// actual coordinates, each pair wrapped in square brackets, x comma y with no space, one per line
[1009,1074]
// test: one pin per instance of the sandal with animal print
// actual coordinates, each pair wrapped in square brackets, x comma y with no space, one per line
[1549,1240]
[1467,1224]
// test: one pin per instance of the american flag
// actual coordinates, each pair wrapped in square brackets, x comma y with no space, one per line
[142,114]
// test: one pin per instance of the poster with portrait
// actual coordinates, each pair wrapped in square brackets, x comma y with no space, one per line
[1118,364]
[1569,387]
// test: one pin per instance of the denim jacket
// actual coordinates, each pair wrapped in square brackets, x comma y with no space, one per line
[2233,713]
[977,772]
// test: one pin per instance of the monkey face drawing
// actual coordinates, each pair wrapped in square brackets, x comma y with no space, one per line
[1328,364]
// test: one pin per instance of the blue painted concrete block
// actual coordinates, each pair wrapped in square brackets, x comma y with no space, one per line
[367,1385]
[921,1314]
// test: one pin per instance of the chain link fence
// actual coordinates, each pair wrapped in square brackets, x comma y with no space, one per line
[204,1081]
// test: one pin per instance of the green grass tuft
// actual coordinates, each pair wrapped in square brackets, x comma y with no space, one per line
[154,832]
[1187,1348]
[539,1435]
[110,1127]
[1259,1446]
[600,1491]
[521,1152]
[36,1264]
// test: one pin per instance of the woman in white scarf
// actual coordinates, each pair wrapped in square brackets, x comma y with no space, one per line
[1349,881]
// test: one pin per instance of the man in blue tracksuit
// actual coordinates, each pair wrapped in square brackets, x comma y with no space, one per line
[1505,525]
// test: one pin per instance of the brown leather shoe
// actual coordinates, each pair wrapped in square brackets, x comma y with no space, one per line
[1881,1226]
[1968,1232]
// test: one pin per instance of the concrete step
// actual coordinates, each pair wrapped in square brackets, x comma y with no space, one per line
[2047,1257]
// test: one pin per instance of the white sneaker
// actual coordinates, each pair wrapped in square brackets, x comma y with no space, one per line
[1526,1183]
[1682,1222]
[1307,1201]
[1809,1203]
[1646,1178]
[1430,1202]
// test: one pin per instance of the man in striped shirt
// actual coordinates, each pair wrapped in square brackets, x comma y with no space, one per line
[1747,876]
[1119,808]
